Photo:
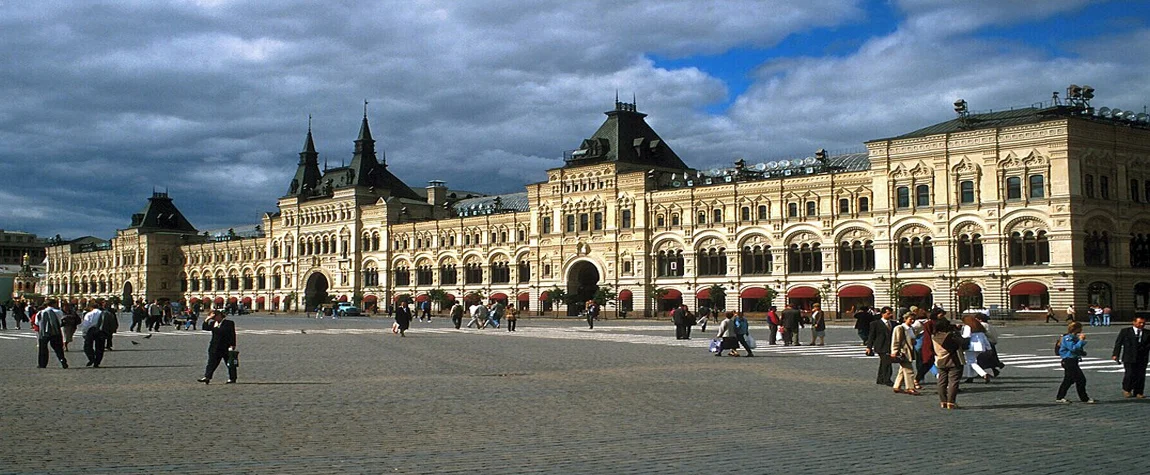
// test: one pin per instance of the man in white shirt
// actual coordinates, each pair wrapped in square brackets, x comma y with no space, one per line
[49,334]
[92,327]
[478,316]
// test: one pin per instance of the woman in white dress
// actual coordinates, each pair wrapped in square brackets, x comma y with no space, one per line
[975,333]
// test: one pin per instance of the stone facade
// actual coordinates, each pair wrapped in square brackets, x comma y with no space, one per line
[1016,210]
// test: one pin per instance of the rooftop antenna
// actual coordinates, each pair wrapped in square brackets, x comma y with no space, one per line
[365,108]
[309,123]
[961,109]
[634,102]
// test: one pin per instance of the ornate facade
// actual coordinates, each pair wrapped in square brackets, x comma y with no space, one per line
[1016,209]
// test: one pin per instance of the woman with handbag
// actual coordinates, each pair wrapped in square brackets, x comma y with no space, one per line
[902,353]
[948,360]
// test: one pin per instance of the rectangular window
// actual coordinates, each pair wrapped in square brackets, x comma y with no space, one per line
[570,223]
[864,205]
[718,216]
[844,206]
[903,196]
[1104,187]
[793,210]
[584,222]
[598,221]
[1014,188]
[702,218]
[547,225]
[921,196]
[762,212]
[660,221]
[1134,195]
[811,208]
[1037,186]
[745,213]
[966,192]
[675,219]
[1088,186]
[625,219]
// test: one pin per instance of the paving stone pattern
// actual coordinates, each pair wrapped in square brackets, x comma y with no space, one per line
[348,396]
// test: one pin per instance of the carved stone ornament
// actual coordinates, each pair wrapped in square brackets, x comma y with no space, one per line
[965,167]
[582,249]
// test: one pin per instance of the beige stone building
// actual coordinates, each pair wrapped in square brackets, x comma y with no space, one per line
[1010,210]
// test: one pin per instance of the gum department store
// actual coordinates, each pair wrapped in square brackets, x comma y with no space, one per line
[1013,209]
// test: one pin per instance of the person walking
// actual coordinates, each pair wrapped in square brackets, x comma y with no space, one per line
[456,314]
[92,327]
[1072,347]
[1132,349]
[403,318]
[496,313]
[704,314]
[49,333]
[3,316]
[155,316]
[773,324]
[139,314]
[678,315]
[742,331]
[947,346]
[18,314]
[111,324]
[792,322]
[69,323]
[902,352]
[878,343]
[975,332]
[818,325]
[924,346]
[592,314]
[512,315]
[1050,315]
[478,316]
[222,348]
[728,339]
[863,318]
[1070,314]
[1106,316]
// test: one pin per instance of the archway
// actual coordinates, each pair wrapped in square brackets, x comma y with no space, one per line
[127,295]
[315,293]
[582,282]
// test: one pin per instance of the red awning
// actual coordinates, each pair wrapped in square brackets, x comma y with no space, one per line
[544,295]
[370,299]
[704,294]
[915,290]
[247,300]
[193,300]
[449,297]
[1027,288]
[672,294]
[856,291]
[803,293]
[219,301]
[524,297]
[753,293]
[624,295]
[422,298]
[498,296]
[969,289]
[260,300]
[276,300]
[343,298]
[233,299]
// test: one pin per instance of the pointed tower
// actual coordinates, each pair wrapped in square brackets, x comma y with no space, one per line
[307,174]
[365,170]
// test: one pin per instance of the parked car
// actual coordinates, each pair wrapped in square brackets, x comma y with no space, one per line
[347,310]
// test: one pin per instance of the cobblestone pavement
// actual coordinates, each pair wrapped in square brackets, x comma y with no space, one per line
[348,396]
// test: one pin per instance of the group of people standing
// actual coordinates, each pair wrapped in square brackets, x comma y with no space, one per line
[55,328]
[21,310]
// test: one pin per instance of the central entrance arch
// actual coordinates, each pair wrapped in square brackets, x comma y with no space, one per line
[315,293]
[582,282]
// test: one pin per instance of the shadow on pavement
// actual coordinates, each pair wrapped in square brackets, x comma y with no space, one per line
[152,366]
[301,383]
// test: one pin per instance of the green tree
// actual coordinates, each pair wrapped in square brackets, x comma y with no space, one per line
[718,297]
[896,285]
[655,294]
[289,300]
[439,296]
[557,295]
[605,295]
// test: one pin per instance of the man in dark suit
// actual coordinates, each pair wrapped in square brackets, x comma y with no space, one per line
[792,320]
[223,342]
[878,342]
[1132,349]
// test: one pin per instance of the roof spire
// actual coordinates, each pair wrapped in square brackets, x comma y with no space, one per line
[365,108]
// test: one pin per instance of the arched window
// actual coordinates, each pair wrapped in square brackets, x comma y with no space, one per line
[969,249]
[856,256]
[524,271]
[902,194]
[1088,185]
[423,275]
[966,191]
[702,218]
[674,219]
[402,276]
[1096,249]
[712,261]
[1029,248]
[1140,251]
[916,253]
[1104,187]
[1134,194]
[500,273]
[448,275]
[669,263]
[757,260]
[805,258]
[473,274]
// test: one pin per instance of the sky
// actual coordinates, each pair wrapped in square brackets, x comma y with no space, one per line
[104,102]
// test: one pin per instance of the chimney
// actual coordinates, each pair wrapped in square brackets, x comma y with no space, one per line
[436,192]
